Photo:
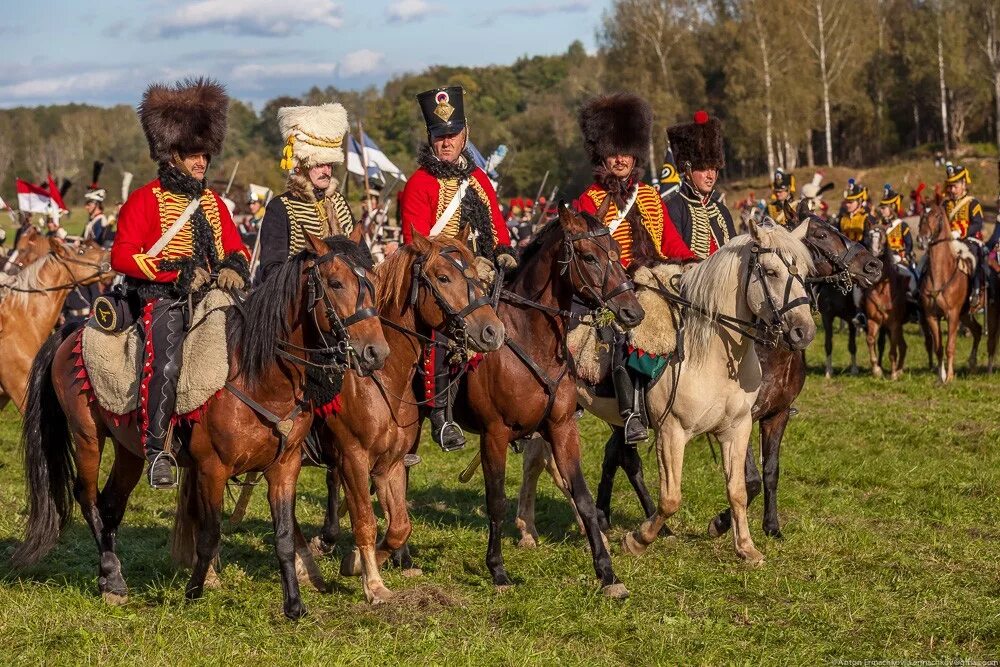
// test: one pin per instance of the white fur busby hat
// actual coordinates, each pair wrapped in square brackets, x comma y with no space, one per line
[313,135]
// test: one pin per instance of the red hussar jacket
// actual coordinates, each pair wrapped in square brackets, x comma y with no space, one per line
[148,213]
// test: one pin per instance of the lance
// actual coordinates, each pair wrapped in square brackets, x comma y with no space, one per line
[231,177]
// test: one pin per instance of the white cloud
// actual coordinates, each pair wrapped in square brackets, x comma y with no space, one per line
[264,18]
[364,61]
[62,86]
[404,11]
[258,72]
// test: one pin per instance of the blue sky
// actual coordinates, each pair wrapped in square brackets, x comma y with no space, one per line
[106,51]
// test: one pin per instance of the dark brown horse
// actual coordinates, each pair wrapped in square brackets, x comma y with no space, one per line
[944,291]
[526,385]
[427,286]
[884,304]
[837,261]
[318,301]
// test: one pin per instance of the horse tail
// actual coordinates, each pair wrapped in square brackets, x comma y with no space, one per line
[48,460]
[182,539]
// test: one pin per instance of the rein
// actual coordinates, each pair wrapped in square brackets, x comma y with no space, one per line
[842,278]
[102,269]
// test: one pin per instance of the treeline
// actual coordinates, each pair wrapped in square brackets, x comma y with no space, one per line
[797,82]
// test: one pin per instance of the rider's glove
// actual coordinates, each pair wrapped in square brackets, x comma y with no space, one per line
[200,278]
[485,269]
[229,280]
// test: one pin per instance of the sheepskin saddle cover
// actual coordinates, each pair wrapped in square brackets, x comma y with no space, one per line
[114,361]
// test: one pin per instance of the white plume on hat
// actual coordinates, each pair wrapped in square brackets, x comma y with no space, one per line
[811,189]
[96,195]
[313,135]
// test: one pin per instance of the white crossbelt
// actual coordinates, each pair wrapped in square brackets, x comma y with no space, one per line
[618,219]
[174,228]
[450,209]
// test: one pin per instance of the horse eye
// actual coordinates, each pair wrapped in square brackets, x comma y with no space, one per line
[821,235]
[589,258]
[442,278]
[336,284]
[771,273]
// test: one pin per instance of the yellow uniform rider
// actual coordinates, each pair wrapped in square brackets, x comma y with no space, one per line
[782,190]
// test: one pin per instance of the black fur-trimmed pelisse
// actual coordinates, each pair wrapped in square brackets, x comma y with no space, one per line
[616,124]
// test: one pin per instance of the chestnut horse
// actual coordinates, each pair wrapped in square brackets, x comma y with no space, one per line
[944,292]
[30,307]
[31,245]
[884,304]
[320,301]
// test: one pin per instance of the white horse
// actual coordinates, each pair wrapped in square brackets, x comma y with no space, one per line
[756,278]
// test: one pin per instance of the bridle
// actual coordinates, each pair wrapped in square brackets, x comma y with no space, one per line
[773,329]
[102,268]
[455,326]
[841,278]
[337,355]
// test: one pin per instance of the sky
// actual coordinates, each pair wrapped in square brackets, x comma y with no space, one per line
[106,52]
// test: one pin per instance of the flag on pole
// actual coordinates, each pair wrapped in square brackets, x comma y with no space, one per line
[379,165]
[670,179]
[56,195]
[32,198]
[494,160]
[482,163]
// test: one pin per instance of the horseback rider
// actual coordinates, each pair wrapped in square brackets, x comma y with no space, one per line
[447,193]
[314,138]
[854,222]
[97,228]
[165,263]
[782,190]
[812,198]
[897,236]
[697,210]
[965,215]
[616,130]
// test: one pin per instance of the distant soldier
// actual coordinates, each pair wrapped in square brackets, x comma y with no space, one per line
[812,198]
[697,211]
[447,193]
[898,236]
[314,138]
[97,228]
[965,214]
[855,220]
[616,131]
[782,192]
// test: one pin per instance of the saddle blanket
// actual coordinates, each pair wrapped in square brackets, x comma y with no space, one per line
[113,362]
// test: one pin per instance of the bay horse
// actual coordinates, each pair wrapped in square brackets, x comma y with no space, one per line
[320,301]
[426,286]
[944,292]
[31,304]
[526,385]
[884,304]
[714,387]
[836,260]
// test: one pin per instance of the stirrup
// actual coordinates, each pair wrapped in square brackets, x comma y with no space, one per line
[172,462]
[410,460]
[628,421]
[459,442]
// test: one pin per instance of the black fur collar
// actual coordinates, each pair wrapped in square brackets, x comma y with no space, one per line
[620,189]
[174,180]
[439,169]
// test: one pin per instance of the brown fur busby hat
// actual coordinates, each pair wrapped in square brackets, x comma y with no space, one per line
[698,143]
[616,124]
[188,117]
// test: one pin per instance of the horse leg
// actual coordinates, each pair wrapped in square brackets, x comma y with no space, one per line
[734,443]
[306,569]
[565,439]
[772,431]
[928,341]
[493,450]
[533,459]
[326,541]
[210,484]
[977,333]
[934,330]
[852,346]
[391,490]
[993,329]
[898,353]
[881,344]
[871,334]
[112,501]
[671,440]
[362,561]
[828,343]
[609,468]
[953,323]
[723,521]
[631,463]
[281,481]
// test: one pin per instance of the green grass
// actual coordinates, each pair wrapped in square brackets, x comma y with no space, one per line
[888,502]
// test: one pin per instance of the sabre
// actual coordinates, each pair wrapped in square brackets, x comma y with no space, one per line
[541,189]
[231,177]
[126,183]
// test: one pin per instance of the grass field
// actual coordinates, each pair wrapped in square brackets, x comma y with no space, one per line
[892,551]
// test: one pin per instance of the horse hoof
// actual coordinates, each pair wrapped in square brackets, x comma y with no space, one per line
[295,611]
[854,370]
[715,530]
[320,547]
[379,595]
[502,588]
[411,572]
[350,565]
[615,591]
[752,557]
[632,545]
[877,373]
[114,599]
[502,581]
[527,542]
[774,533]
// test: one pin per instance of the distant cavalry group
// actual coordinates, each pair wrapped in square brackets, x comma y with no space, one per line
[651,313]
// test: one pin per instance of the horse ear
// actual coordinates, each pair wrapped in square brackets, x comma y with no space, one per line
[316,244]
[801,230]
[602,210]
[357,234]
[57,247]
[571,220]
[753,229]
[463,235]
[420,243]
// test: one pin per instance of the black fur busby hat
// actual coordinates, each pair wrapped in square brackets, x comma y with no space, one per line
[188,117]
[616,124]
[699,143]
[443,110]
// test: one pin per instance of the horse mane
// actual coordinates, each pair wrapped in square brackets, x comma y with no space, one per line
[27,279]
[542,239]
[256,329]
[708,285]
[393,275]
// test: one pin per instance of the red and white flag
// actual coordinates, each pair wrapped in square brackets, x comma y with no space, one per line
[32,198]
[56,195]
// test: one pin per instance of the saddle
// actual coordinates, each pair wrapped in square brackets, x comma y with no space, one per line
[112,363]
[655,337]
[966,258]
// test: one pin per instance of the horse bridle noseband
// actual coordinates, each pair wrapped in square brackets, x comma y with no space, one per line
[842,278]
[570,260]
[773,329]
[455,325]
[102,269]
[337,356]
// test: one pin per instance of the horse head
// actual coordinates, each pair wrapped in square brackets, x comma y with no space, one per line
[775,289]
[341,299]
[836,256]
[933,226]
[31,245]
[590,258]
[87,262]
[445,290]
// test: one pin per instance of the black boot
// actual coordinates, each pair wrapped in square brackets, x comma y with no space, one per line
[629,406]
[445,432]
[167,338]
